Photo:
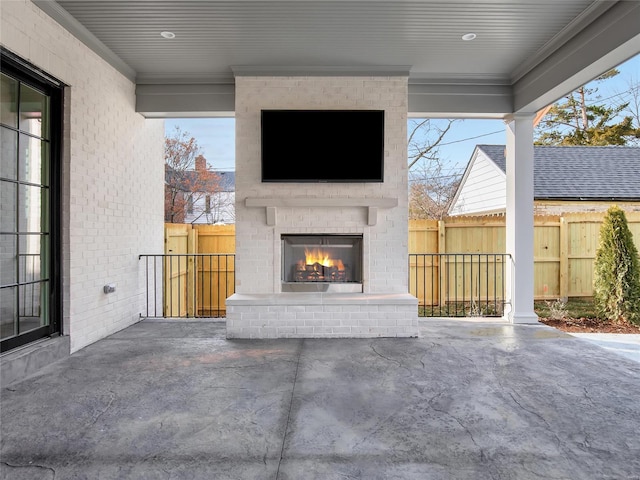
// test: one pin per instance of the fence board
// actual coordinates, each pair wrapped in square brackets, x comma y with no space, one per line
[175,287]
[546,244]
[216,238]
[176,240]
[217,276]
[423,236]
[187,285]
[583,236]
[216,280]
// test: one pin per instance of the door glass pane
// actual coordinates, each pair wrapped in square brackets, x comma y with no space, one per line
[8,312]
[29,309]
[8,259]
[25,202]
[7,206]
[29,260]
[34,107]
[33,160]
[32,212]
[8,159]
[8,101]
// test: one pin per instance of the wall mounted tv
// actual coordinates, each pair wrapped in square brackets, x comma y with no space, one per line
[322,146]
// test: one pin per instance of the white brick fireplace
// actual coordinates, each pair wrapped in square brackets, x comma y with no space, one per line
[376,211]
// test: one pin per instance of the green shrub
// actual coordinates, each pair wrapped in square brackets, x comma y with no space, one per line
[616,275]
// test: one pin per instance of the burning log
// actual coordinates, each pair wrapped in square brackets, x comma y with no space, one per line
[318,266]
[316,272]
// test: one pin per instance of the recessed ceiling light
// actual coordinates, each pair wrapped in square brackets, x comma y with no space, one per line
[167,35]
[468,36]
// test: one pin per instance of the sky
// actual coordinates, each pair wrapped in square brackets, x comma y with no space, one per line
[216,136]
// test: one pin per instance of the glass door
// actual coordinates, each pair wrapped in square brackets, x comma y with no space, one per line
[29,173]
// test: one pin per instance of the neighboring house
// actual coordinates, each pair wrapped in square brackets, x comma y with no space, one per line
[213,208]
[200,196]
[566,179]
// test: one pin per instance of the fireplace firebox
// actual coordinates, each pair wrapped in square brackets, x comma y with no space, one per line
[312,263]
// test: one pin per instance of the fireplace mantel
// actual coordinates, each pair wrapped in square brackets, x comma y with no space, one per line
[271,203]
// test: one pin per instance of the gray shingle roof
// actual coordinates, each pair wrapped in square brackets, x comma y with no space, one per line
[227,181]
[572,173]
[224,182]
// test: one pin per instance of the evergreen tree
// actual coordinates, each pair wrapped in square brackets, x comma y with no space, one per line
[616,286]
[578,120]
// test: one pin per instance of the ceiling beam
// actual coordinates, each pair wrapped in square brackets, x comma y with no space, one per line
[185,100]
[459,100]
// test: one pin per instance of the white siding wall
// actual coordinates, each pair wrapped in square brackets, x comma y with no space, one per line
[484,189]
[222,209]
[113,176]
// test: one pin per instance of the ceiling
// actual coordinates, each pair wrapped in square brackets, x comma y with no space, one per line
[524,53]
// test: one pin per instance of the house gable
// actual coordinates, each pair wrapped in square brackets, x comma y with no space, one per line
[564,175]
[483,186]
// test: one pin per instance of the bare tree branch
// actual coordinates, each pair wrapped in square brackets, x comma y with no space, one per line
[428,150]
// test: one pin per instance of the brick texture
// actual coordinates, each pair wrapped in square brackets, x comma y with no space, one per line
[258,244]
[113,176]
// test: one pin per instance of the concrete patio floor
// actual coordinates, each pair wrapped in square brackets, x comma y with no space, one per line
[467,400]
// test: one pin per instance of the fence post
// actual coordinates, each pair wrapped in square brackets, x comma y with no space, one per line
[443,263]
[192,272]
[564,258]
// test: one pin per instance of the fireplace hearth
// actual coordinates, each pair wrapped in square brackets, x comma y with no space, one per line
[322,263]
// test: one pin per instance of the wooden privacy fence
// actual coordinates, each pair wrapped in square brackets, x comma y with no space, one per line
[564,251]
[198,269]
[564,247]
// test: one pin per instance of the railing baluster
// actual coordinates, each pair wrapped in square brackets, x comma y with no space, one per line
[432,262]
[226,281]
[146,284]
[197,284]
[444,288]
[468,289]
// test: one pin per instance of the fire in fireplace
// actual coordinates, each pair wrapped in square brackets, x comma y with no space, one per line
[319,266]
[323,259]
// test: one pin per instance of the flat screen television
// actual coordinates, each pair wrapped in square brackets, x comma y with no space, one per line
[322,146]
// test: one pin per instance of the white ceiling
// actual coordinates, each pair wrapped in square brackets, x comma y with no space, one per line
[526,51]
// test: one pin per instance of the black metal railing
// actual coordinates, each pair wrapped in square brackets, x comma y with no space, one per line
[446,284]
[459,284]
[188,285]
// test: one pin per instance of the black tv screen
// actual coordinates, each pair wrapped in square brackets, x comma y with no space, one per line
[322,145]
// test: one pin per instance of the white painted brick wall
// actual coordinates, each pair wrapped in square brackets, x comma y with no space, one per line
[257,244]
[259,309]
[113,200]
[379,316]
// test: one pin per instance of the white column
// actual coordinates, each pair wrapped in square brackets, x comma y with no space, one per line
[519,219]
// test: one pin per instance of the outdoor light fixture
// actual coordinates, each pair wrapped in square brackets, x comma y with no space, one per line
[167,35]
[469,36]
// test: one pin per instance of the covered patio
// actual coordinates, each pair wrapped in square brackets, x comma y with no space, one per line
[116,69]
[467,400]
